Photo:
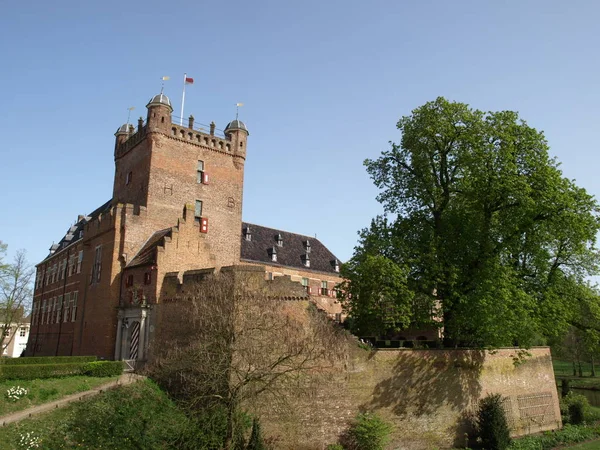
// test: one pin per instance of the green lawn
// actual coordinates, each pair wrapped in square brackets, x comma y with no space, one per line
[132,417]
[564,369]
[46,390]
[593,445]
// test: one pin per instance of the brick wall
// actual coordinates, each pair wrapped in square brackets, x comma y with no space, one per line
[426,395]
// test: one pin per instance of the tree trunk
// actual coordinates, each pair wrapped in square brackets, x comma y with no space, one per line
[574,369]
[593,368]
[580,369]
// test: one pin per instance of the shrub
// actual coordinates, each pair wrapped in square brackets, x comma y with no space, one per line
[492,424]
[334,447]
[574,408]
[256,441]
[33,371]
[569,435]
[103,368]
[369,432]
[46,360]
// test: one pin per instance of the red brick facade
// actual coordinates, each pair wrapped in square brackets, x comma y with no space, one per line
[176,207]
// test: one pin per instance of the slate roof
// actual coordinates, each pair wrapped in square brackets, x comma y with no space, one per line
[73,234]
[147,254]
[264,239]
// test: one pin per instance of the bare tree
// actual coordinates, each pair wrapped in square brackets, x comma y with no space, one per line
[227,340]
[15,294]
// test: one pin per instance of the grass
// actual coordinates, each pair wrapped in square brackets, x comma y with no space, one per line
[564,369]
[592,445]
[46,390]
[135,416]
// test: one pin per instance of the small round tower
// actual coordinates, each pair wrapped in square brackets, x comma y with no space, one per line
[159,113]
[237,132]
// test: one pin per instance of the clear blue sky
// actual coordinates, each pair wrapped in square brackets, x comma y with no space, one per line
[323,83]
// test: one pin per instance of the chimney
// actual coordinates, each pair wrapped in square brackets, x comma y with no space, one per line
[191,122]
[140,123]
[212,128]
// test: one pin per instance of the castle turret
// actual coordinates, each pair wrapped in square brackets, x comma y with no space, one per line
[159,114]
[121,135]
[237,133]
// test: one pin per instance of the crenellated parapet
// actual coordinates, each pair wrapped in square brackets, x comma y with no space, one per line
[123,146]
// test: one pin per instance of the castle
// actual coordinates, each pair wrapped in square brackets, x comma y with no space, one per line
[176,210]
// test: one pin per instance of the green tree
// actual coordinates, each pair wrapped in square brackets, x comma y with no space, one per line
[495,239]
[382,299]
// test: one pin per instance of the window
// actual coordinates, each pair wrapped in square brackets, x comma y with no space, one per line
[247,234]
[97,268]
[52,311]
[324,290]
[279,240]
[201,176]
[66,307]
[306,260]
[129,281]
[58,308]
[74,306]
[198,211]
[305,285]
[273,253]
[7,331]
[61,269]
[43,309]
[23,332]
[147,278]
[79,261]
[307,246]
[128,178]
[336,265]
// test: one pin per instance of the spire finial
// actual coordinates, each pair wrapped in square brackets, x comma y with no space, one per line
[237,109]
[162,85]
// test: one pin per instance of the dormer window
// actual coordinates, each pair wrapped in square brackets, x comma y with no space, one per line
[247,234]
[307,246]
[279,239]
[336,265]
[273,253]
[306,260]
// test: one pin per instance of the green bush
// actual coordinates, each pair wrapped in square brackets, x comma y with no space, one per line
[369,432]
[256,441]
[492,424]
[570,434]
[103,368]
[28,360]
[334,447]
[33,371]
[574,408]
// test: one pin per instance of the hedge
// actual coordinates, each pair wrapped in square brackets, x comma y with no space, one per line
[46,360]
[103,368]
[34,371]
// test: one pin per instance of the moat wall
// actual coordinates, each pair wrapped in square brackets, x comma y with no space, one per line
[426,394]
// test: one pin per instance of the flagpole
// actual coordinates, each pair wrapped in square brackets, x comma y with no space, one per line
[182,100]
